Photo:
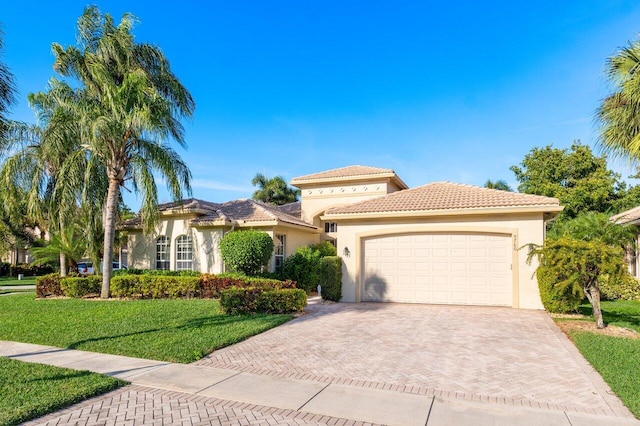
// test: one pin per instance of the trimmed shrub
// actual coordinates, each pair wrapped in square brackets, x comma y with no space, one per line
[325,248]
[29,270]
[4,269]
[331,278]
[246,251]
[155,272]
[623,288]
[81,286]
[49,285]
[553,299]
[237,301]
[282,301]
[154,287]
[211,285]
[303,267]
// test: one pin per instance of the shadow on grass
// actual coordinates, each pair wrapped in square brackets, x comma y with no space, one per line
[61,376]
[196,323]
[613,317]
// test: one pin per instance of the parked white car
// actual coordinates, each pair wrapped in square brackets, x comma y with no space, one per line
[85,267]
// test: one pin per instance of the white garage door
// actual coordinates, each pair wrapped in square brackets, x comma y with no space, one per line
[461,269]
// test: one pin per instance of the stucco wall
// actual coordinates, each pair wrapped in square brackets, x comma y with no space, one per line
[524,228]
[294,238]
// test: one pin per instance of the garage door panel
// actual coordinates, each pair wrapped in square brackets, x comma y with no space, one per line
[438,268]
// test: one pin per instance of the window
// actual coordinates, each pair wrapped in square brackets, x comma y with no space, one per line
[162,253]
[279,250]
[184,253]
[330,227]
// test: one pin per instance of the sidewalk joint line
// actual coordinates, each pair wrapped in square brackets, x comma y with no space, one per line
[216,383]
[433,398]
[316,394]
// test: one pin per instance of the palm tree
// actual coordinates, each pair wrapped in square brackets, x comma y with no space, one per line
[274,190]
[596,226]
[129,110]
[619,114]
[499,184]
[7,91]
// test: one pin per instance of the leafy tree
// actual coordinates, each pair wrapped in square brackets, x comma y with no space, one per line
[578,178]
[500,184]
[619,114]
[128,109]
[274,190]
[581,265]
[7,91]
[596,226]
[246,251]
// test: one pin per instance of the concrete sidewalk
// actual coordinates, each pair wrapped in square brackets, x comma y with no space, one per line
[328,402]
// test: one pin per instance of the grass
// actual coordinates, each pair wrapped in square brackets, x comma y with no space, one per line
[166,330]
[617,359]
[7,281]
[32,390]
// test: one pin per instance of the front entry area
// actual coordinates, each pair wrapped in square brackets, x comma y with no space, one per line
[438,268]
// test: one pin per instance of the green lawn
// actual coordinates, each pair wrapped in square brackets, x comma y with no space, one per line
[32,390]
[617,359]
[14,281]
[166,330]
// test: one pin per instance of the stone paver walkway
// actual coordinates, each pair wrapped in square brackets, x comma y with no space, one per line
[502,355]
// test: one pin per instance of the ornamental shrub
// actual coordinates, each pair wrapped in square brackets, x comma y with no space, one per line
[556,299]
[303,267]
[4,269]
[156,272]
[81,286]
[238,301]
[49,285]
[246,251]
[154,287]
[29,270]
[211,285]
[331,278]
[325,248]
[623,288]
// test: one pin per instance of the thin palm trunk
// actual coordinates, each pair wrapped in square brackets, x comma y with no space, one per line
[63,264]
[109,235]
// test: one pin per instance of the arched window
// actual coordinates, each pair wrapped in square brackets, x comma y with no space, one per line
[162,253]
[184,253]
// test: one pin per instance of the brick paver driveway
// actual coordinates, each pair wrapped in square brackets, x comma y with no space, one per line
[501,355]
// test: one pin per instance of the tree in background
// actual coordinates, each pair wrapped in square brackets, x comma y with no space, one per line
[128,110]
[273,190]
[7,91]
[619,114]
[578,178]
[500,184]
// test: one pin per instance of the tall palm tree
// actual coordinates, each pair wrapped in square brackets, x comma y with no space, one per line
[619,114]
[7,90]
[273,191]
[499,184]
[129,111]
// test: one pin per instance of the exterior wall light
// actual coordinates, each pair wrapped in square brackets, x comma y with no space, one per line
[346,252]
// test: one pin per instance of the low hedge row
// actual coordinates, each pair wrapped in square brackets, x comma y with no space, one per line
[49,285]
[154,287]
[155,272]
[29,270]
[238,301]
[4,269]
[211,285]
[81,286]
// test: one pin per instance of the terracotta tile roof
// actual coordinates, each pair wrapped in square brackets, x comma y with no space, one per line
[627,216]
[245,210]
[344,172]
[189,204]
[292,209]
[444,196]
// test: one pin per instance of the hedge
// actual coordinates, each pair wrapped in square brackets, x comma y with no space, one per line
[303,267]
[624,288]
[211,285]
[49,285]
[156,272]
[331,278]
[154,287]
[4,269]
[238,301]
[81,286]
[29,270]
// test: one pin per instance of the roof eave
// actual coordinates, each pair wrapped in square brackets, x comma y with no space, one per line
[445,212]
[301,183]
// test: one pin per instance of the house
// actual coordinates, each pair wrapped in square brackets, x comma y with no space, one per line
[630,217]
[442,243]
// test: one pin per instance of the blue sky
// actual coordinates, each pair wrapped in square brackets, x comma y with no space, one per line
[458,91]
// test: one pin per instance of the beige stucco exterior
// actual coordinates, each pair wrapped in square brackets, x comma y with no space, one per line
[522,228]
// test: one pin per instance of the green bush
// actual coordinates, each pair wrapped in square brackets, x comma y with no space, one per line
[557,300]
[81,286]
[49,285]
[237,301]
[325,248]
[331,278]
[211,285]
[155,272]
[303,267]
[246,251]
[4,269]
[29,270]
[282,301]
[154,287]
[623,288]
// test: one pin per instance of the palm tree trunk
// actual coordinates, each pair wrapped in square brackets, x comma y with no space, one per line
[595,304]
[109,234]
[63,265]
